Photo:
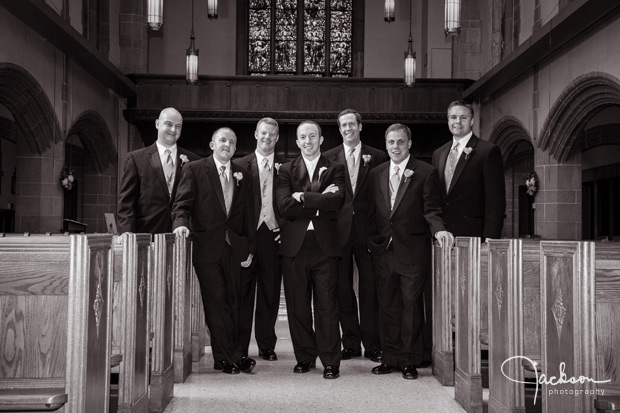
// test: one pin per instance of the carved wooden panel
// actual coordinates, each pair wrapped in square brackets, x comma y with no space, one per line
[467,377]
[182,322]
[568,322]
[505,314]
[443,346]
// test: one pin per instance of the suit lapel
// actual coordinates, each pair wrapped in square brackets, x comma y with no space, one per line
[362,171]
[443,157]
[214,177]
[301,173]
[385,178]
[158,169]
[319,178]
[253,168]
[463,159]
[341,158]
[404,183]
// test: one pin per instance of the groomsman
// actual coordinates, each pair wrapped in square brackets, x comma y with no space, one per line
[264,277]
[359,159]
[310,191]
[214,202]
[150,179]
[404,217]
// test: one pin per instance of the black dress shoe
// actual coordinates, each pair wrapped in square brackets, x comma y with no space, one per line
[331,372]
[383,368]
[217,365]
[425,364]
[246,364]
[268,354]
[349,353]
[410,372]
[229,368]
[374,355]
[304,366]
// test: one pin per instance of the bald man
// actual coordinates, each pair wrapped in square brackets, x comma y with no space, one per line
[150,179]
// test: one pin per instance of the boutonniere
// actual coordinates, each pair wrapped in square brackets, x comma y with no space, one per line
[408,174]
[277,165]
[366,159]
[238,176]
[184,159]
[467,151]
[323,169]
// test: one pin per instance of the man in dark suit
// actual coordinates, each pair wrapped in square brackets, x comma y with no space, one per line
[471,175]
[404,217]
[150,179]
[310,191]
[214,202]
[359,159]
[264,277]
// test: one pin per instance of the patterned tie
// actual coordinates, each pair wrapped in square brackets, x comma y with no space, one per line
[266,164]
[169,170]
[394,183]
[351,168]
[451,164]
[226,188]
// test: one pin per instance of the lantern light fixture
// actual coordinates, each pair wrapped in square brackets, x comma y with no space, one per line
[453,17]
[388,14]
[212,9]
[191,64]
[155,14]
[410,61]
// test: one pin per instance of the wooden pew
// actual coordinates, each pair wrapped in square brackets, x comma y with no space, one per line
[130,332]
[161,291]
[55,302]
[443,344]
[467,374]
[183,273]
[607,296]
[199,329]
[514,319]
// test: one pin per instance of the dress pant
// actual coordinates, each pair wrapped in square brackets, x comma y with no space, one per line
[263,280]
[365,328]
[309,277]
[219,287]
[401,309]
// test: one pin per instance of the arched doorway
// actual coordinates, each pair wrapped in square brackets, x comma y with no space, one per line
[91,155]
[518,153]
[29,120]
[577,115]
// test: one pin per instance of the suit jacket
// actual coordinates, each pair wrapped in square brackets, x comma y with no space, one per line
[354,210]
[476,202]
[415,218]
[144,203]
[248,163]
[199,205]
[294,177]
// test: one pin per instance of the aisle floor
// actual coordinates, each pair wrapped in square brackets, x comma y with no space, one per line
[273,387]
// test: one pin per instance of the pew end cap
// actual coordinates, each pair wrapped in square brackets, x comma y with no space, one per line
[44,399]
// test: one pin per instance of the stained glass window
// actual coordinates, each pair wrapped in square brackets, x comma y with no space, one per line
[323,46]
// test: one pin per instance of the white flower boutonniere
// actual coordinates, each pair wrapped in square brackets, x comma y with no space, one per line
[238,176]
[467,151]
[184,159]
[323,169]
[277,165]
[366,158]
[408,174]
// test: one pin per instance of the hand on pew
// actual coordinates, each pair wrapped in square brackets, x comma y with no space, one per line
[445,238]
[182,231]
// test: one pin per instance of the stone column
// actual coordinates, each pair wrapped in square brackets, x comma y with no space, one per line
[133,37]
[558,200]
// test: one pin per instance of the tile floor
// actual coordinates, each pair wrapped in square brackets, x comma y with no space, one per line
[273,387]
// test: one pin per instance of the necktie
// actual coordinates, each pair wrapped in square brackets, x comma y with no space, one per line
[351,168]
[451,164]
[394,182]
[169,170]
[226,188]
[266,164]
